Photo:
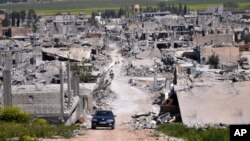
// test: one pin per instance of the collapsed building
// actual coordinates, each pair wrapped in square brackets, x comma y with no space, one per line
[194,92]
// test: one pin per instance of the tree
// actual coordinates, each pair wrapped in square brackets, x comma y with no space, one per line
[169,7]
[246,38]
[173,10]
[214,60]
[121,12]
[14,15]
[32,18]
[18,20]
[83,72]
[185,10]
[147,8]
[92,20]
[180,11]
[22,15]
[162,5]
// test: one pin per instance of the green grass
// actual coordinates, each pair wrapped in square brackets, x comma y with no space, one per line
[88,6]
[191,134]
[74,11]
[201,6]
[204,6]
[35,130]
[244,5]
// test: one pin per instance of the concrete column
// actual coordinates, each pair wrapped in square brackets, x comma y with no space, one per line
[69,83]
[61,89]
[1,58]
[73,84]
[17,58]
[8,60]
[7,97]
[77,86]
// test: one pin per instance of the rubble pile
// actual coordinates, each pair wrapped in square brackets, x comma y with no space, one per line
[143,121]
[149,120]
[102,93]
[100,61]
[220,76]
[139,72]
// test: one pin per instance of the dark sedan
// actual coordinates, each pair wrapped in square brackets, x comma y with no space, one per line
[103,118]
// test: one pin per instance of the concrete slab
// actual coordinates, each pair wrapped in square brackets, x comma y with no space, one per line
[226,103]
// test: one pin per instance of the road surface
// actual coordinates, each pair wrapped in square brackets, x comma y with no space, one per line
[130,100]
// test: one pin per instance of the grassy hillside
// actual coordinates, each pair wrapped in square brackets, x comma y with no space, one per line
[91,5]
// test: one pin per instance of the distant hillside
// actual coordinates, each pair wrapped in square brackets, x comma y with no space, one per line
[127,1]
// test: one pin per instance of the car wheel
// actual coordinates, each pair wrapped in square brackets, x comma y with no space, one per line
[113,127]
[93,127]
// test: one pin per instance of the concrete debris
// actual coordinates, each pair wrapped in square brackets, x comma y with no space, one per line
[141,114]
[143,121]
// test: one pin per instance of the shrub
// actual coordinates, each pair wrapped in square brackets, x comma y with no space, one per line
[246,38]
[214,60]
[13,114]
[41,121]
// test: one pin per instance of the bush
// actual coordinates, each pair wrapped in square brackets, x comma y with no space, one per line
[246,38]
[214,60]
[41,121]
[13,114]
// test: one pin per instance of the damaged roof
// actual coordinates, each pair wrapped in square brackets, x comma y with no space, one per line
[74,53]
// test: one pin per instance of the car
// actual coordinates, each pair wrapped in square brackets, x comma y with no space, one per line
[103,118]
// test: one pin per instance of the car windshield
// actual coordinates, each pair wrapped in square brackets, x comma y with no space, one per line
[103,113]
